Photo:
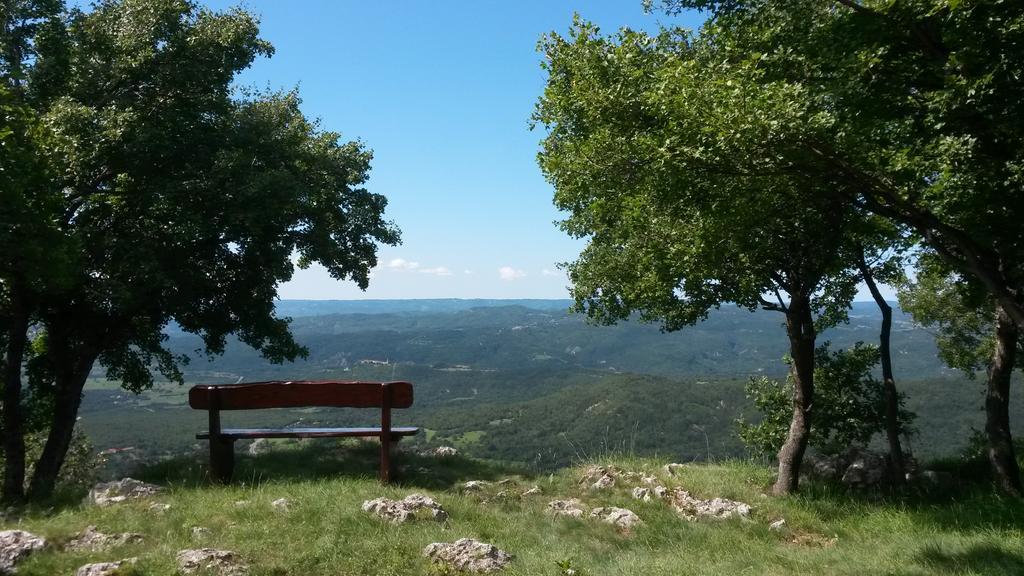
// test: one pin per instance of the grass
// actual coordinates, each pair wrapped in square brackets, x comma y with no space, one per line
[324,532]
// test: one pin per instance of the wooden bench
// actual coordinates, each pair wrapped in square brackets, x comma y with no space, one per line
[298,394]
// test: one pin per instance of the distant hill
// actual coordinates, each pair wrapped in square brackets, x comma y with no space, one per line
[297,308]
[500,334]
[527,381]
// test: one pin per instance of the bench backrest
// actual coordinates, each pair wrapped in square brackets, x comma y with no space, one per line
[298,394]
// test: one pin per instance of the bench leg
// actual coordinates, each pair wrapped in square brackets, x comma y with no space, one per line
[387,467]
[222,459]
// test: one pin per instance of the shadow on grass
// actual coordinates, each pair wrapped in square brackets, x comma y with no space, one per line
[325,459]
[978,559]
[967,503]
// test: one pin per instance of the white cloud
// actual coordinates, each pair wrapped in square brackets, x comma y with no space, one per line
[549,272]
[468,272]
[403,264]
[509,273]
[438,271]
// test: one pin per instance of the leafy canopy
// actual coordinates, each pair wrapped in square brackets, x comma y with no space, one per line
[175,196]
[649,146]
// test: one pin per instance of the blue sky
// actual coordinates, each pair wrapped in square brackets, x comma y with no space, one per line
[442,91]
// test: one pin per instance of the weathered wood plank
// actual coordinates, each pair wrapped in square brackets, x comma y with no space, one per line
[250,433]
[300,394]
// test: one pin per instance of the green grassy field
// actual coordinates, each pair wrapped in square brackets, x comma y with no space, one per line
[324,532]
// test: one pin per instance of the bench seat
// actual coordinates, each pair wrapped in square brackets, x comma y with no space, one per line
[247,433]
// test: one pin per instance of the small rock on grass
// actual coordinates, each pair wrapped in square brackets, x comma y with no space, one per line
[777,525]
[535,491]
[219,562]
[104,568]
[399,511]
[571,508]
[107,493]
[15,546]
[672,469]
[475,485]
[641,493]
[468,555]
[693,508]
[618,517]
[159,508]
[445,452]
[93,540]
[281,504]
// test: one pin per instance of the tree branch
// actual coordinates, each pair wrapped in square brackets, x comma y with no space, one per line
[856,7]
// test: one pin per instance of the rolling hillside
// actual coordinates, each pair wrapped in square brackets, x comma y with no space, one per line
[534,384]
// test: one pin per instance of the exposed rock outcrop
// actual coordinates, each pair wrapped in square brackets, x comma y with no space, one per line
[220,562]
[93,540]
[693,508]
[641,493]
[409,508]
[445,452]
[672,469]
[107,493]
[259,446]
[535,491]
[468,555]
[571,508]
[618,517]
[104,568]
[15,546]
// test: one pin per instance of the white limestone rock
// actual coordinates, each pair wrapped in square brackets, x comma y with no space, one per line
[15,546]
[618,517]
[409,508]
[693,508]
[468,555]
[104,568]
[219,562]
[571,508]
[92,540]
[107,493]
[672,469]
[475,485]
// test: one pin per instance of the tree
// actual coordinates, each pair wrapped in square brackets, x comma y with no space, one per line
[922,101]
[646,150]
[972,333]
[851,404]
[180,199]
[885,262]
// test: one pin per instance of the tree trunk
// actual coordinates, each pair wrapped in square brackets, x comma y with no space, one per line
[892,398]
[800,329]
[997,406]
[13,419]
[73,370]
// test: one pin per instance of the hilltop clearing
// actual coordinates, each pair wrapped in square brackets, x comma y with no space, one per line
[299,509]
